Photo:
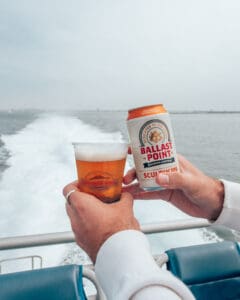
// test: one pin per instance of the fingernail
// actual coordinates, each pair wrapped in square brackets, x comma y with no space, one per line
[163,179]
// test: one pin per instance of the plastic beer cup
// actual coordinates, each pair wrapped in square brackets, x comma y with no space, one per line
[100,169]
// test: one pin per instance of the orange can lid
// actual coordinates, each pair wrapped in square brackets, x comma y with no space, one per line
[146,111]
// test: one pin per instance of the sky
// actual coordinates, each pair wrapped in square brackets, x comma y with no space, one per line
[109,54]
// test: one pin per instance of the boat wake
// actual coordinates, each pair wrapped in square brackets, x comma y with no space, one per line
[41,161]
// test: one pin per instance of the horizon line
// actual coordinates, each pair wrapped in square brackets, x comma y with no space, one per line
[193,111]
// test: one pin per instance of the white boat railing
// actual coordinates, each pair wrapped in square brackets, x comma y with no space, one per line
[32,258]
[36,240]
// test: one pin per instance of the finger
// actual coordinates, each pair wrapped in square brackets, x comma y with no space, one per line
[130,176]
[72,216]
[126,199]
[125,204]
[69,190]
[71,186]
[70,211]
[174,180]
[85,202]
[154,195]
[74,221]
[133,189]
[76,183]
[79,200]
[140,194]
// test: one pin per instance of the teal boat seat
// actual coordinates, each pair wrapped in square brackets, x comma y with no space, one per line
[211,271]
[58,283]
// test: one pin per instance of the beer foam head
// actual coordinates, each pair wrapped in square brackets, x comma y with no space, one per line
[100,151]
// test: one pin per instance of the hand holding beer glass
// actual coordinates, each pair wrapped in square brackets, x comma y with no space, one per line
[100,168]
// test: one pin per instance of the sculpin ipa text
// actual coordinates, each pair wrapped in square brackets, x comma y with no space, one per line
[152,144]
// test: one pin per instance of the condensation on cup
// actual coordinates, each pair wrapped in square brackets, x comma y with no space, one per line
[152,144]
[100,169]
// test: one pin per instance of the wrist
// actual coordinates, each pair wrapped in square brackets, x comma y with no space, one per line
[218,194]
[93,251]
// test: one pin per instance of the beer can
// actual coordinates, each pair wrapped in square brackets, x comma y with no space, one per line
[152,144]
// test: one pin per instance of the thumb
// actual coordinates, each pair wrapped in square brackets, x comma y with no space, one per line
[82,201]
[174,180]
[126,200]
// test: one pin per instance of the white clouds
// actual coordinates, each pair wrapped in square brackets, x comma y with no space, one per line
[116,54]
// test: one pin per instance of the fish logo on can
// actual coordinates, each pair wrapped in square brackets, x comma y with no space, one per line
[152,144]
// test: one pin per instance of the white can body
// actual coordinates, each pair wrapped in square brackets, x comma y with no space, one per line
[153,148]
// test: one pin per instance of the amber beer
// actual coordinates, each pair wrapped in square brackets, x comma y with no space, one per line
[152,143]
[100,168]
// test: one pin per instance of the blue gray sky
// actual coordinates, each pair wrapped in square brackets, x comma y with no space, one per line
[109,54]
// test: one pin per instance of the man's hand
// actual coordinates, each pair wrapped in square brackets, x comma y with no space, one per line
[190,190]
[93,221]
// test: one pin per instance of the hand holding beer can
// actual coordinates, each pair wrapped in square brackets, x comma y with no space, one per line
[152,144]
[100,168]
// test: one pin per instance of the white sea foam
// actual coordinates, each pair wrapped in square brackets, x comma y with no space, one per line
[100,151]
[41,163]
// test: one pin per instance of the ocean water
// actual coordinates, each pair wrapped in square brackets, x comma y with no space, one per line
[37,161]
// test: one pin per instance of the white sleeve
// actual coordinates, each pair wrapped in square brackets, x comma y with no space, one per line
[155,292]
[230,215]
[126,269]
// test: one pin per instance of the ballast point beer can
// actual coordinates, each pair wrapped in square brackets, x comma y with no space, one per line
[152,144]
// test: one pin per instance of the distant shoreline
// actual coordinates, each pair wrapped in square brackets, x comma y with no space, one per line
[206,112]
[118,110]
